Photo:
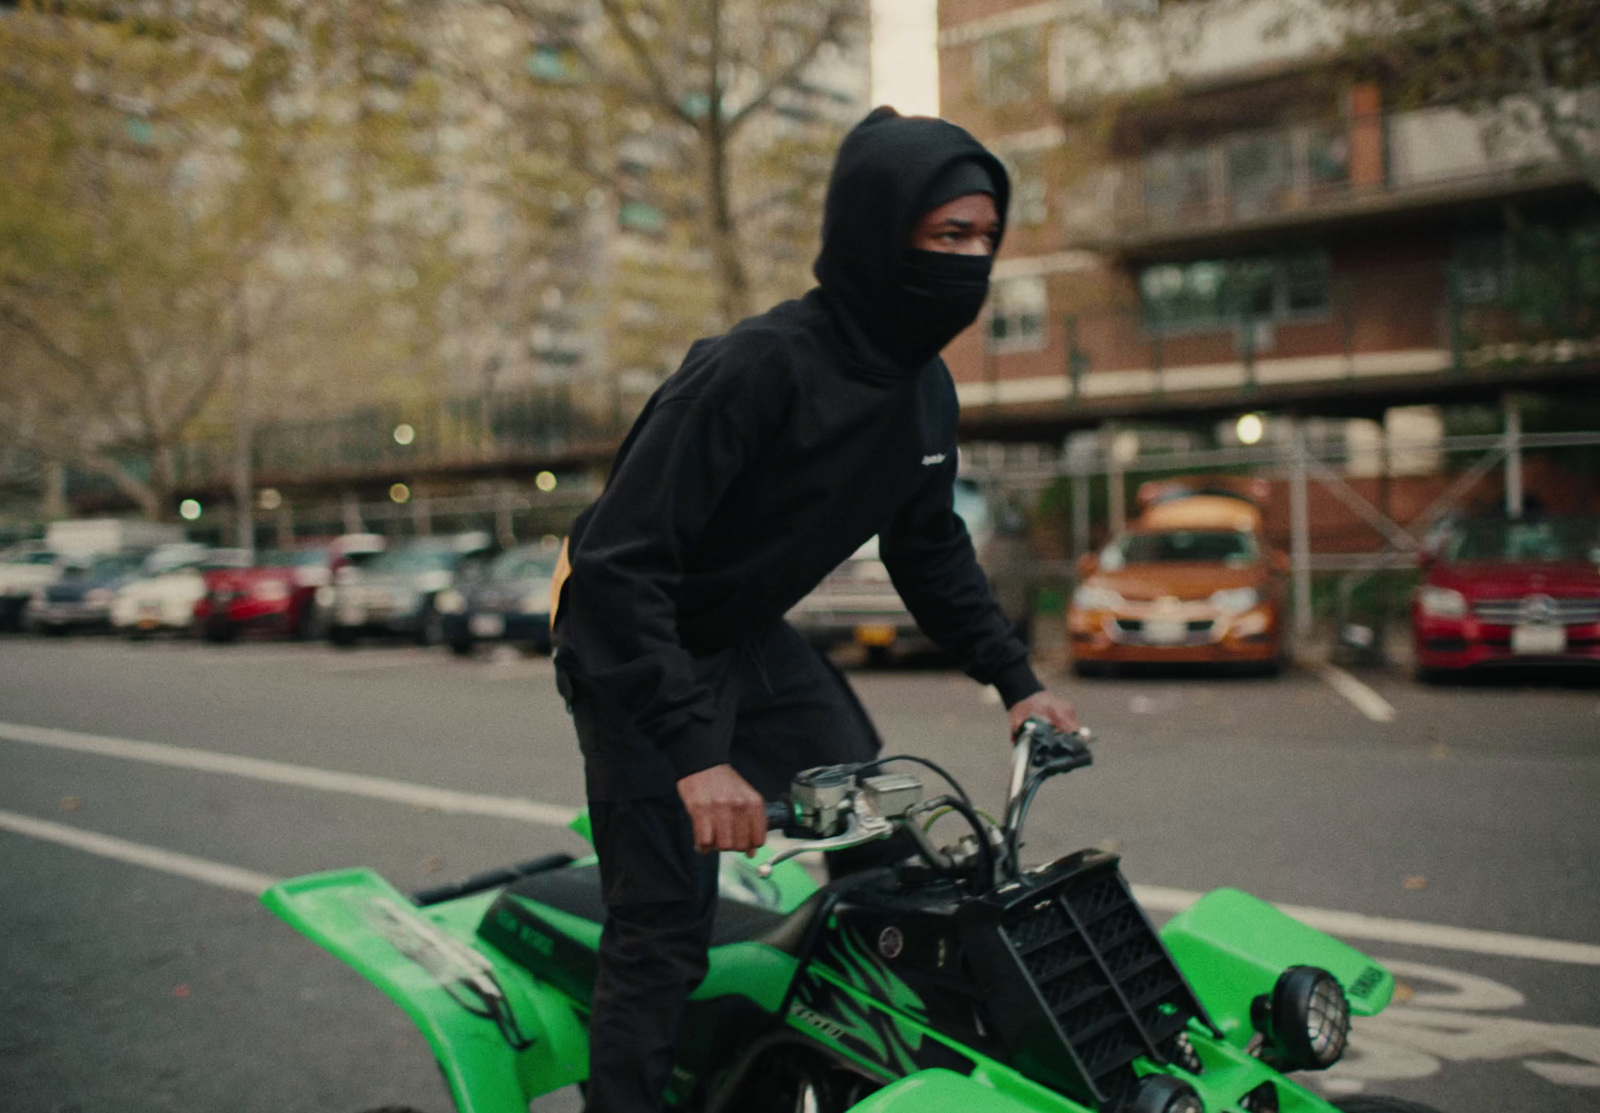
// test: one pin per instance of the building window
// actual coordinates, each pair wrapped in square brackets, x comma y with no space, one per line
[1029,190]
[1008,67]
[1017,309]
[1327,158]
[1177,186]
[636,216]
[1259,176]
[1222,293]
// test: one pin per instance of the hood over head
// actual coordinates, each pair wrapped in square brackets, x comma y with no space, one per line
[900,306]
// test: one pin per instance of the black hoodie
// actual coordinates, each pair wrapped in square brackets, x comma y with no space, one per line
[772,454]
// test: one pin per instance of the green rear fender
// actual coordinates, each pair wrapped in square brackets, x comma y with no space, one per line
[500,1037]
[1232,947]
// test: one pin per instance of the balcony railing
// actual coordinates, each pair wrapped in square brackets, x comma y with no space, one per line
[543,426]
[1306,172]
[1385,324]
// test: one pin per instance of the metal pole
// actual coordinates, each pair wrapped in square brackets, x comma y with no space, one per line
[505,532]
[1513,457]
[1080,513]
[243,481]
[1299,532]
[352,514]
[1116,490]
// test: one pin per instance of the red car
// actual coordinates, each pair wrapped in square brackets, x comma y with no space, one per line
[278,594]
[1501,592]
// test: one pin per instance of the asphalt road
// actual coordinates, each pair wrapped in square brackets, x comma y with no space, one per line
[132,987]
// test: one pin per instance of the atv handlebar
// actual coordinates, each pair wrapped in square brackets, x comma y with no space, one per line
[837,807]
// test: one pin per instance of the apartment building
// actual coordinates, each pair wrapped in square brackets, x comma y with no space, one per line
[1211,213]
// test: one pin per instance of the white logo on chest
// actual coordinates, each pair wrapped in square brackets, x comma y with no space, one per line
[936,458]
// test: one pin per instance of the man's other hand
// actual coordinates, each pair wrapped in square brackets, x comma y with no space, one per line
[1042,705]
[726,812]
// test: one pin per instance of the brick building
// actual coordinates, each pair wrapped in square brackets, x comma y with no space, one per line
[1227,220]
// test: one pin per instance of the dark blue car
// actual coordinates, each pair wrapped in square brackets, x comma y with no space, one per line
[510,602]
[81,599]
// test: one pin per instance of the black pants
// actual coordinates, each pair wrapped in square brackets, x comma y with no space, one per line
[790,710]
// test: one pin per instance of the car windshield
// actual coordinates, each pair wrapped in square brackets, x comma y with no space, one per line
[290,558]
[523,564]
[111,567]
[972,507]
[1548,540]
[1198,546]
[416,558]
[32,558]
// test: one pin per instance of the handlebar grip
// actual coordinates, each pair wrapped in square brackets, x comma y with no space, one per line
[780,814]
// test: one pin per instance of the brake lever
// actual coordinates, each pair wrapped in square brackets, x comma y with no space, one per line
[858,829]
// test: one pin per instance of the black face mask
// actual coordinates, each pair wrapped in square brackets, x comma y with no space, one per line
[937,294]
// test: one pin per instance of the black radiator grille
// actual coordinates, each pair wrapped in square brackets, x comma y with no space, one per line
[1103,975]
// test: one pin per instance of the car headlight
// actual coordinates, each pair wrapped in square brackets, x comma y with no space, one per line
[270,591]
[1307,1019]
[99,597]
[1235,600]
[1442,602]
[450,601]
[1093,597]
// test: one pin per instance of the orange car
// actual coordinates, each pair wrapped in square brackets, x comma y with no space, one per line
[1191,581]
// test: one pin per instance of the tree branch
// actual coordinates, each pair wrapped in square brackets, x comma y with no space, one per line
[832,24]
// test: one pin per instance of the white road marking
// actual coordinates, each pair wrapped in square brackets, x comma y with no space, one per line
[1365,700]
[377,661]
[301,776]
[1355,925]
[1351,925]
[167,861]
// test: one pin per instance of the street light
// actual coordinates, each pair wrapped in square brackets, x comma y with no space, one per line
[545,481]
[400,493]
[1250,429]
[404,434]
[189,510]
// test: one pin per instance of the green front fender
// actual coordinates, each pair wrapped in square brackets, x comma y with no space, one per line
[942,1091]
[1232,947]
[500,1037]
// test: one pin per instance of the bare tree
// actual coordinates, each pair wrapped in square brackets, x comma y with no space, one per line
[715,87]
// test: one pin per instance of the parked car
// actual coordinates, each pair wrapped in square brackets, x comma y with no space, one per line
[24,569]
[395,594]
[857,602]
[278,594]
[509,603]
[1508,592]
[81,599]
[1191,581]
[164,599]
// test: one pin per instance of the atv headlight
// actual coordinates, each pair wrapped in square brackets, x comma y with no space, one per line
[1161,1093]
[1442,602]
[1309,1020]
[1235,600]
[1093,597]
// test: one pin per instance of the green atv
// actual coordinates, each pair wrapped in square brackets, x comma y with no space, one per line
[954,982]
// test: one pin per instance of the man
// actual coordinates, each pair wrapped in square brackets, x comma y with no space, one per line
[771,455]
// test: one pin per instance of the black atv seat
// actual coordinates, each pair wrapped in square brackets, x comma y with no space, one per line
[575,890]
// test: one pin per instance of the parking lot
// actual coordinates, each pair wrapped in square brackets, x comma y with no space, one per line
[149,789]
